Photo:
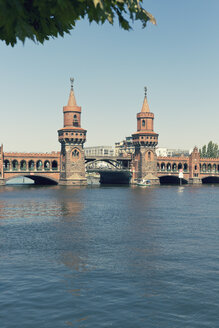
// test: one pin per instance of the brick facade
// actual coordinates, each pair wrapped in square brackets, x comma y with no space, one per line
[72,138]
[145,140]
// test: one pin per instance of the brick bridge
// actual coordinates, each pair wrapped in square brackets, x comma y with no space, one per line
[68,166]
[194,168]
[44,168]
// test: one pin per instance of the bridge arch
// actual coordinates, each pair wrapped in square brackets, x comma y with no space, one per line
[210,179]
[37,178]
[171,180]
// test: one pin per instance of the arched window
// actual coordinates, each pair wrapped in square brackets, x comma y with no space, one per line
[54,165]
[214,168]
[149,155]
[6,165]
[75,153]
[179,166]
[174,166]
[168,167]
[143,123]
[209,167]
[46,165]
[14,165]
[31,165]
[204,168]
[23,165]
[162,166]
[185,167]
[39,165]
[158,166]
[75,120]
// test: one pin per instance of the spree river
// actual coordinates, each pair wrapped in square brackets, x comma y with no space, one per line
[126,257]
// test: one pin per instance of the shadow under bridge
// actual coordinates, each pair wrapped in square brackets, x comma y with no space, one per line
[110,170]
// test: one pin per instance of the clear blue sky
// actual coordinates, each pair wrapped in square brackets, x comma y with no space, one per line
[177,60]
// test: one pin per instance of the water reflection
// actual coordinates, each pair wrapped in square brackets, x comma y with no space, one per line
[120,257]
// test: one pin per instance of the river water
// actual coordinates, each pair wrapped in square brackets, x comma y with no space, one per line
[126,257]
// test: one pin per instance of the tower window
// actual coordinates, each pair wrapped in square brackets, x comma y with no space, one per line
[75,120]
[75,153]
[143,123]
[149,155]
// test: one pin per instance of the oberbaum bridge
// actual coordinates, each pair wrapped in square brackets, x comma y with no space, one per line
[69,166]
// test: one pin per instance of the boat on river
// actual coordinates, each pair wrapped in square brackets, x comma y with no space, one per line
[144,183]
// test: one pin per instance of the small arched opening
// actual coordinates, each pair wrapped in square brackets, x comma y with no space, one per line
[39,165]
[54,165]
[162,166]
[75,120]
[204,167]
[174,167]
[168,167]
[23,165]
[14,165]
[185,167]
[179,166]
[209,167]
[46,165]
[31,165]
[143,123]
[6,165]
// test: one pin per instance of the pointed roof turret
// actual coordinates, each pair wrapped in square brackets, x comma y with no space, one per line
[71,99]
[145,106]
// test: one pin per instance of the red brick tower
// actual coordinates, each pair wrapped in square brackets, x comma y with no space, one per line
[72,138]
[194,167]
[145,140]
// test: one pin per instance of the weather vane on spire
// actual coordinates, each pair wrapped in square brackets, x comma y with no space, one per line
[145,91]
[72,81]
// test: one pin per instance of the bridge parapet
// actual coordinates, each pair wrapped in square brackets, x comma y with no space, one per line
[16,154]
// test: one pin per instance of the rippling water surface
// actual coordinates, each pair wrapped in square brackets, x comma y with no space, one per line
[109,257]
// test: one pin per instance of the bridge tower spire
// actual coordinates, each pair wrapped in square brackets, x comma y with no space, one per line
[72,138]
[145,141]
